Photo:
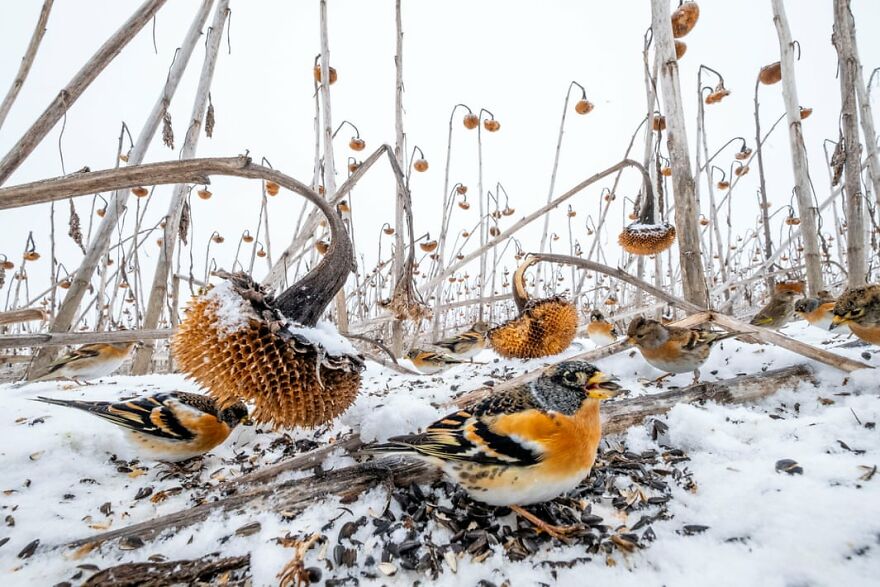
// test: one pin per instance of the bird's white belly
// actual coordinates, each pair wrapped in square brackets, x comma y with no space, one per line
[682,365]
[824,323]
[602,339]
[94,370]
[515,485]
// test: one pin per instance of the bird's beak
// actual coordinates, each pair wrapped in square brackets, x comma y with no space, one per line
[602,386]
[246,421]
[630,340]
[838,321]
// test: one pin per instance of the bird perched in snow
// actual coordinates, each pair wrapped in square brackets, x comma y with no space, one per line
[429,362]
[168,426]
[778,312]
[90,361]
[523,445]
[859,308]
[466,345]
[673,349]
[600,331]
[816,311]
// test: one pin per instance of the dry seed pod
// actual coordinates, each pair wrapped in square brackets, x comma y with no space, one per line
[247,237]
[8,265]
[420,165]
[261,252]
[508,211]
[743,154]
[159,243]
[770,74]
[666,171]
[684,19]
[583,107]
[805,112]
[496,214]
[461,189]
[703,220]
[611,300]
[459,256]
[204,194]
[465,234]
[123,285]
[646,239]
[218,239]
[494,231]
[572,213]
[123,157]
[321,190]
[428,246]
[719,94]
[680,49]
[64,283]
[659,123]
[491,125]
[31,256]
[242,343]
[543,328]
[100,212]
[633,216]
[387,229]
[140,192]
[723,185]
[740,171]
[464,205]
[792,221]
[353,166]
[357,144]
[317,74]
[272,188]
[322,246]
[471,121]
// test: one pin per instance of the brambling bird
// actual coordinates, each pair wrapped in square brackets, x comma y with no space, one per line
[168,426]
[816,311]
[523,445]
[429,362]
[600,331]
[90,361]
[778,312]
[673,349]
[466,345]
[859,308]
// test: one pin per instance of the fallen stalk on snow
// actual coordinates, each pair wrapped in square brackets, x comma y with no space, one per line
[291,497]
[24,315]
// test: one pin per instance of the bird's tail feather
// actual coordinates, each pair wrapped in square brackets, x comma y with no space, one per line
[69,403]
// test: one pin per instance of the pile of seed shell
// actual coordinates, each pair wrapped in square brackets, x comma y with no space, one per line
[429,539]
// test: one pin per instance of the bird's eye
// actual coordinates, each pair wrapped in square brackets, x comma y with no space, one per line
[642,335]
[571,376]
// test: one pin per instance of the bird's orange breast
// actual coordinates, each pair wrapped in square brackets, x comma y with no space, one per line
[569,442]
[867,333]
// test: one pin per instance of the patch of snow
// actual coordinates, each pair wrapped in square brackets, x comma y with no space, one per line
[326,334]
[232,310]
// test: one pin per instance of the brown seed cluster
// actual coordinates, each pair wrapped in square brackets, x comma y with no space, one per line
[290,380]
[545,327]
[647,239]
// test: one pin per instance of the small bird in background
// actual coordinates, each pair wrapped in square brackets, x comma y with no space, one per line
[468,344]
[90,361]
[523,445]
[671,348]
[778,312]
[169,426]
[859,308]
[600,331]
[430,362]
[816,311]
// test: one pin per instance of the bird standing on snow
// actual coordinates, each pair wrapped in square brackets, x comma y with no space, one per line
[600,331]
[816,311]
[90,361]
[673,349]
[171,426]
[859,308]
[467,345]
[429,362]
[520,446]
[778,312]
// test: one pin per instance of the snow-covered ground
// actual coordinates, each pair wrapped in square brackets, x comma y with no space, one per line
[66,475]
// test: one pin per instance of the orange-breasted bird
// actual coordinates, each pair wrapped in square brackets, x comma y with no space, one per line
[816,311]
[523,445]
[671,348]
[600,331]
[859,308]
[430,362]
[168,426]
[778,312]
[466,345]
[90,361]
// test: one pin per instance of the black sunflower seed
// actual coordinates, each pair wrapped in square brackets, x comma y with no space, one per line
[29,550]
[789,466]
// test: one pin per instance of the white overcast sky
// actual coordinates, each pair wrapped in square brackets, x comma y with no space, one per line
[514,58]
